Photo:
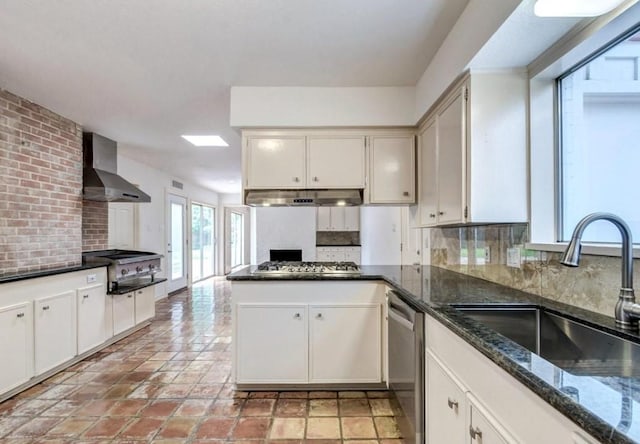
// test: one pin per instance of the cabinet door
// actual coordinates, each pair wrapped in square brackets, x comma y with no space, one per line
[16,345]
[92,316]
[451,161]
[145,304]
[428,192]
[271,343]
[345,343]
[446,406]
[323,219]
[335,162]
[276,162]
[351,218]
[55,330]
[484,428]
[392,169]
[338,218]
[124,316]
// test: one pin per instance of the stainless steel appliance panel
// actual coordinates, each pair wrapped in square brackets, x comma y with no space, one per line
[406,367]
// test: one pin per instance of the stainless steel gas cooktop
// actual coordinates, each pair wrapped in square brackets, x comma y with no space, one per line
[285,267]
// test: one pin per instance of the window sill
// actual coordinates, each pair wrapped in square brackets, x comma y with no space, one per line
[591,249]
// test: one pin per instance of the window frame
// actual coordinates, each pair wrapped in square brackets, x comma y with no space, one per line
[577,48]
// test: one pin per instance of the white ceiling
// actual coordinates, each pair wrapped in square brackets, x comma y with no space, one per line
[143,72]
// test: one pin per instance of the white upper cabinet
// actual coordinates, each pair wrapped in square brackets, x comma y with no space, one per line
[338,219]
[276,162]
[472,153]
[392,169]
[335,162]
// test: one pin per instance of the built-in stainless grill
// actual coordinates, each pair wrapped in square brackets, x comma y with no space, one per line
[127,268]
[295,267]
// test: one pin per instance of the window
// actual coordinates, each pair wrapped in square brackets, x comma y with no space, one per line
[599,156]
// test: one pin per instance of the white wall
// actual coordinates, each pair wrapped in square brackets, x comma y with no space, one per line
[477,23]
[285,228]
[316,107]
[152,216]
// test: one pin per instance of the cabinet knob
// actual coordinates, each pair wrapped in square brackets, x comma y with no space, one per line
[85,296]
[432,215]
[475,432]
[297,316]
[139,291]
[406,193]
[20,315]
[319,316]
[441,213]
[296,179]
[453,405]
[130,295]
[315,179]
[46,307]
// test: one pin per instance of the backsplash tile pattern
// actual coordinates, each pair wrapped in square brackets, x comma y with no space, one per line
[338,238]
[40,187]
[593,286]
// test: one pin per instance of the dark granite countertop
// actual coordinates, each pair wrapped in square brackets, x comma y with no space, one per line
[605,406]
[6,278]
[338,245]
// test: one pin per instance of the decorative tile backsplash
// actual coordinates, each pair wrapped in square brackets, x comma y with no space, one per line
[483,251]
[337,238]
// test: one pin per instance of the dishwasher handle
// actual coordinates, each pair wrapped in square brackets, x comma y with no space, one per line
[401,318]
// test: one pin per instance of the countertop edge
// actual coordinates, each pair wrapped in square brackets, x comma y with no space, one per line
[50,272]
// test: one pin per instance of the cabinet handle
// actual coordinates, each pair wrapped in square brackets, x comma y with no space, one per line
[130,295]
[319,316]
[296,179]
[139,291]
[20,315]
[406,193]
[315,179]
[297,316]
[432,215]
[441,213]
[46,307]
[453,405]
[475,432]
[85,296]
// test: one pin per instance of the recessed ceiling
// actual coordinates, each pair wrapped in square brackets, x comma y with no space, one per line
[143,72]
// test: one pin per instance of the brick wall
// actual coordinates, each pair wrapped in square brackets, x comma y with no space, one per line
[40,188]
[95,225]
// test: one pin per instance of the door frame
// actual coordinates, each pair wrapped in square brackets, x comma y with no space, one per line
[227,210]
[187,240]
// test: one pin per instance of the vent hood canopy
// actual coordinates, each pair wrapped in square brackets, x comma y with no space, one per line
[100,180]
[312,198]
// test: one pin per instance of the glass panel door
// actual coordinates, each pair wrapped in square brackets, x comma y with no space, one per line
[203,241]
[176,243]
[237,239]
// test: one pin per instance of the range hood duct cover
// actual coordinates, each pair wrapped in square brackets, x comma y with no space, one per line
[311,198]
[100,180]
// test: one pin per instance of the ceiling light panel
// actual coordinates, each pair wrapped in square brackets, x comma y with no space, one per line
[574,8]
[206,140]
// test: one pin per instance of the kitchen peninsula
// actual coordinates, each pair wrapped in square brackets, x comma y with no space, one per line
[492,383]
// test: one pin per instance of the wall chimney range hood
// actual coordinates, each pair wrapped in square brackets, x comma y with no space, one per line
[100,180]
[311,198]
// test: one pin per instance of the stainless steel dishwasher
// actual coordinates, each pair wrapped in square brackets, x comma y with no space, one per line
[406,366]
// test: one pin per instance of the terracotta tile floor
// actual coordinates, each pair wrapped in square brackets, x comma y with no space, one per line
[168,383]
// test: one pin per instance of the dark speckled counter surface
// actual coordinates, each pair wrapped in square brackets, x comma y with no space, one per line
[607,407]
[13,277]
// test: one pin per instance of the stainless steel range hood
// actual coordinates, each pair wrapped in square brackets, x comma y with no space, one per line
[312,198]
[100,180]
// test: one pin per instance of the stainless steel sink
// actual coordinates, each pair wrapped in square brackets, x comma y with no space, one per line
[570,345]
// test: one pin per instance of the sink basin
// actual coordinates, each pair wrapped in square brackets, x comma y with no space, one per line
[570,345]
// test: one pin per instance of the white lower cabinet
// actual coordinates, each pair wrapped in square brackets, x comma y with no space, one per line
[145,304]
[301,332]
[94,317]
[446,406]
[273,346]
[349,335]
[55,330]
[470,399]
[124,316]
[16,345]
